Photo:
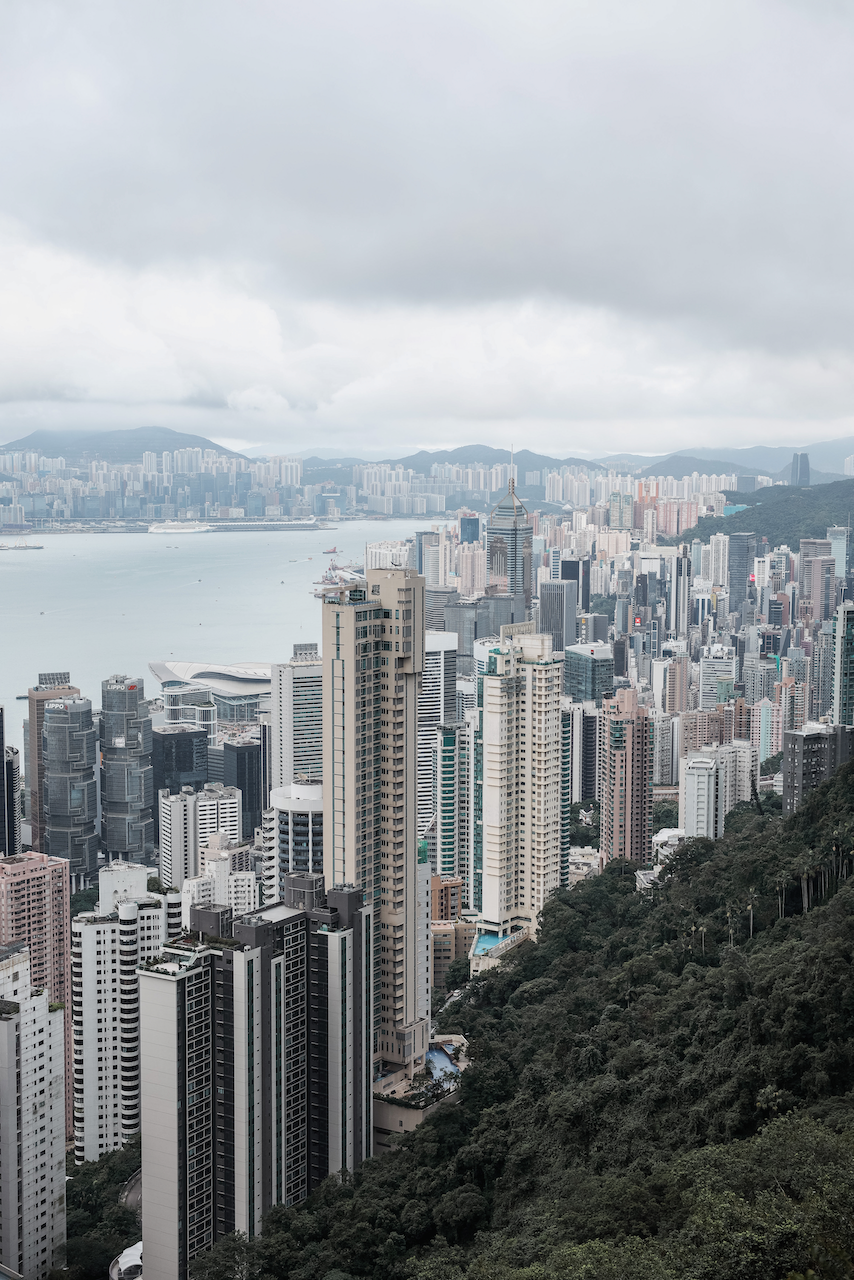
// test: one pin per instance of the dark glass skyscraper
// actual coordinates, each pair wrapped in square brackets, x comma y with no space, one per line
[742,550]
[509,545]
[179,758]
[127,777]
[241,768]
[469,528]
[70,808]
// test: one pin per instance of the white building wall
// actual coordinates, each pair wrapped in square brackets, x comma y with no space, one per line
[32,1087]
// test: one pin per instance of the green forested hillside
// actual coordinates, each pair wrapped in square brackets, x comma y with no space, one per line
[781,514]
[661,1090]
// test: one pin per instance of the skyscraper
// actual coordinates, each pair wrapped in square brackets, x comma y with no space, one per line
[32,1120]
[521,784]
[626,815]
[297,718]
[509,546]
[10,795]
[811,755]
[291,836]
[575,569]
[70,796]
[256,1069]
[742,552]
[800,469]
[558,613]
[719,559]
[52,684]
[373,655]
[241,768]
[469,528]
[127,777]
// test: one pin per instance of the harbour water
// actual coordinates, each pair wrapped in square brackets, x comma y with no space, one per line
[94,604]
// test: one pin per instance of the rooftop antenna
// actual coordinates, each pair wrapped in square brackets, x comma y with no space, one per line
[512,485]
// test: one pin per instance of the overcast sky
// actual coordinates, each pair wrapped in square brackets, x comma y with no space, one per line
[579,225]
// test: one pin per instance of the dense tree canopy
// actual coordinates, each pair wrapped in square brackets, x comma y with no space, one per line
[661,1088]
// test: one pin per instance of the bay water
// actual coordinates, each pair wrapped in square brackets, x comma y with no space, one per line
[98,604]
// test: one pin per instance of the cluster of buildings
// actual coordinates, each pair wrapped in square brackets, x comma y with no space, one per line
[205,484]
[290,857]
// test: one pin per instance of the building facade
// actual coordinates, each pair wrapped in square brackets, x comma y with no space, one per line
[32,1120]
[291,837]
[373,657]
[127,777]
[256,1070]
[296,719]
[128,928]
[69,790]
[188,820]
[626,785]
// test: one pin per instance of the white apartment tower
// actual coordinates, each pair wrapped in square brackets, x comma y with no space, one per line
[521,771]
[714,781]
[437,703]
[187,822]
[32,1120]
[296,749]
[129,926]
[218,885]
[373,658]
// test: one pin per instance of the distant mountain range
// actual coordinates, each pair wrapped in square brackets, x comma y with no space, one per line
[110,446]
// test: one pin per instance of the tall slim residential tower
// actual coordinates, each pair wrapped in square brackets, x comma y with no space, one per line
[291,837]
[10,795]
[127,929]
[32,1120]
[52,684]
[626,821]
[843,663]
[521,771]
[256,1068]
[70,796]
[509,546]
[127,777]
[296,747]
[373,657]
[437,701]
[188,820]
[35,907]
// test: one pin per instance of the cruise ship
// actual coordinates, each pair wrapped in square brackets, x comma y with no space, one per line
[178,526]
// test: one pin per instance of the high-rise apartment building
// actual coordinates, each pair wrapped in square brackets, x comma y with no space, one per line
[843,664]
[51,685]
[70,793]
[520,741]
[837,536]
[297,719]
[718,573]
[509,546]
[453,766]
[220,885]
[188,820]
[256,1070]
[291,837]
[437,702]
[713,782]
[128,928]
[35,907]
[471,568]
[127,777]
[589,672]
[626,781]
[579,752]
[32,1120]
[811,755]
[718,663]
[373,656]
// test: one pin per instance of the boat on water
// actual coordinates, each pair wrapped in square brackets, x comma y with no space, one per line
[179,527]
[22,546]
[331,551]
[21,697]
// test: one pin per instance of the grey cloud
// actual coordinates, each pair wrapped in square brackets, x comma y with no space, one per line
[681,162]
